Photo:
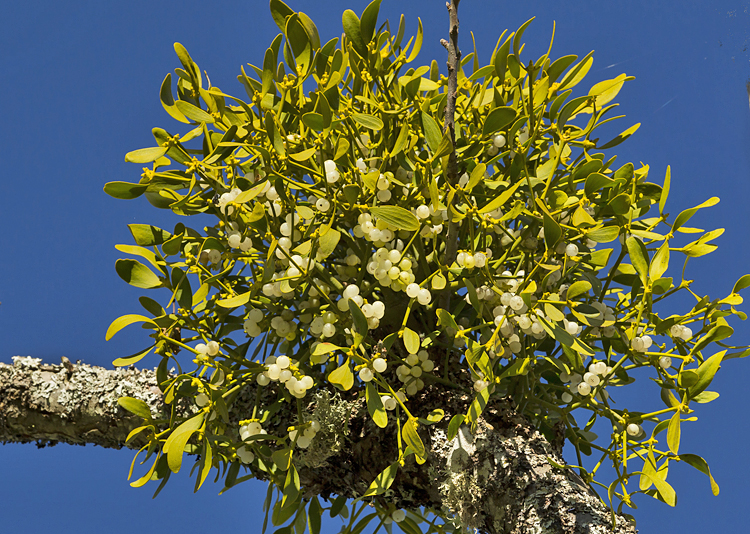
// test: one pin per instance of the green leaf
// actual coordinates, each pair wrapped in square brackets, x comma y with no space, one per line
[126,320]
[401,140]
[666,491]
[705,397]
[369,20]
[206,464]
[194,113]
[432,133]
[342,376]
[137,274]
[438,282]
[621,137]
[235,301]
[368,121]
[701,465]
[327,243]
[291,486]
[411,340]
[444,148]
[435,416]
[145,155]
[741,284]
[325,348]
[638,257]
[176,442]
[358,318]
[476,176]
[124,190]
[577,73]
[500,200]
[665,190]
[446,319]
[498,119]
[314,121]
[375,406]
[280,12]
[553,313]
[659,262]
[578,288]
[456,422]
[135,358]
[383,481]
[353,31]
[673,433]
[282,458]
[411,437]
[314,513]
[686,215]
[706,372]
[417,42]
[135,406]
[552,231]
[396,216]
[167,100]
[596,181]
[146,235]
[500,61]
[478,405]
[605,234]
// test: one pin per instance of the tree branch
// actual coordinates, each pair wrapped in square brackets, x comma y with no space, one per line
[451,175]
[498,480]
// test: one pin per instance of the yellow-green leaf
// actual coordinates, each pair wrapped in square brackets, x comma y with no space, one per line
[176,442]
[137,274]
[396,216]
[193,113]
[673,433]
[659,262]
[126,320]
[411,340]
[368,121]
[327,243]
[638,257]
[342,376]
[501,199]
[325,348]
[235,301]
[438,281]
[375,406]
[145,155]
[383,481]
[578,288]
[411,437]
[135,406]
[701,465]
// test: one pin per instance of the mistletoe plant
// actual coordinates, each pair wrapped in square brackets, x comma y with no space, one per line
[380,230]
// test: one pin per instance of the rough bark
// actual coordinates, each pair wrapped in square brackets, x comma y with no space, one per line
[497,481]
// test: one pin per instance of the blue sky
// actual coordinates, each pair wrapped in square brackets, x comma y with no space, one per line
[80,89]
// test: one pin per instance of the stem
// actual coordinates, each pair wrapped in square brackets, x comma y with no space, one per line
[451,175]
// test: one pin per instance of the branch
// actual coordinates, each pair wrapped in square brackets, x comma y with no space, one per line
[498,480]
[451,176]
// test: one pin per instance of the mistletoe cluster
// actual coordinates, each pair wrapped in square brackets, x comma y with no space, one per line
[345,250]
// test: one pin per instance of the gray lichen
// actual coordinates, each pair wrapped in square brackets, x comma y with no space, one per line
[497,480]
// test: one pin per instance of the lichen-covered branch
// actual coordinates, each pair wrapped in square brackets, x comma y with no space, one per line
[498,480]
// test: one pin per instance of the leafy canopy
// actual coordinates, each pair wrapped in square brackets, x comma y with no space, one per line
[324,263]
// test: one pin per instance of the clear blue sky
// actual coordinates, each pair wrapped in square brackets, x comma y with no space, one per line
[80,89]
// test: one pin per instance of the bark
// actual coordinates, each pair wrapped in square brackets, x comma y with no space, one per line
[498,480]
[451,175]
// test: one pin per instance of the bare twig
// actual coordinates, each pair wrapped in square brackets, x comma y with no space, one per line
[451,175]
